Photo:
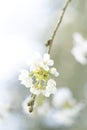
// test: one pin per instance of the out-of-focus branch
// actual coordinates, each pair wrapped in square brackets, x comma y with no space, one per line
[50,42]
[30,104]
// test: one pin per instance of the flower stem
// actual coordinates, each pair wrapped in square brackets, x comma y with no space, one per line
[50,41]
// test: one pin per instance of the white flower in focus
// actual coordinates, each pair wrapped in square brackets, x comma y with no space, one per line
[25,78]
[54,72]
[38,78]
[79,50]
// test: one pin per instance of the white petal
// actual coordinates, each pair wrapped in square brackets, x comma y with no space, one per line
[50,88]
[35,59]
[28,82]
[45,67]
[23,74]
[51,82]
[54,72]
[78,39]
[46,57]
[25,78]
[50,62]
[47,60]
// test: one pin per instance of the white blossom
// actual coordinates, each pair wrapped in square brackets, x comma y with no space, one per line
[79,49]
[38,78]
[25,78]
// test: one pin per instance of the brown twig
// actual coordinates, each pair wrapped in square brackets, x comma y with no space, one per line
[50,42]
[31,102]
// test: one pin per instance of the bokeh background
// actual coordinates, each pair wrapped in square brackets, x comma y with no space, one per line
[25,27]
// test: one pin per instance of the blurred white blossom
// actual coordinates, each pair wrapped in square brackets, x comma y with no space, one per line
[63,116]
[63,110]
[38,78]
[79,49]
[63,96]
[67,109]
[43,109]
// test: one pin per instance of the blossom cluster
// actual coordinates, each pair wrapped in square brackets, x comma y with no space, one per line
[38,78]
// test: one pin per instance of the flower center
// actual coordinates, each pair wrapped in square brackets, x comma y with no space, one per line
[41,74]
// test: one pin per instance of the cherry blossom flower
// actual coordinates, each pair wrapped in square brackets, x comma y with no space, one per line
[38,78]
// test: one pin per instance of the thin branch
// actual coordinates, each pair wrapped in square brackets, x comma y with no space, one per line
[30,103]
[50,42]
